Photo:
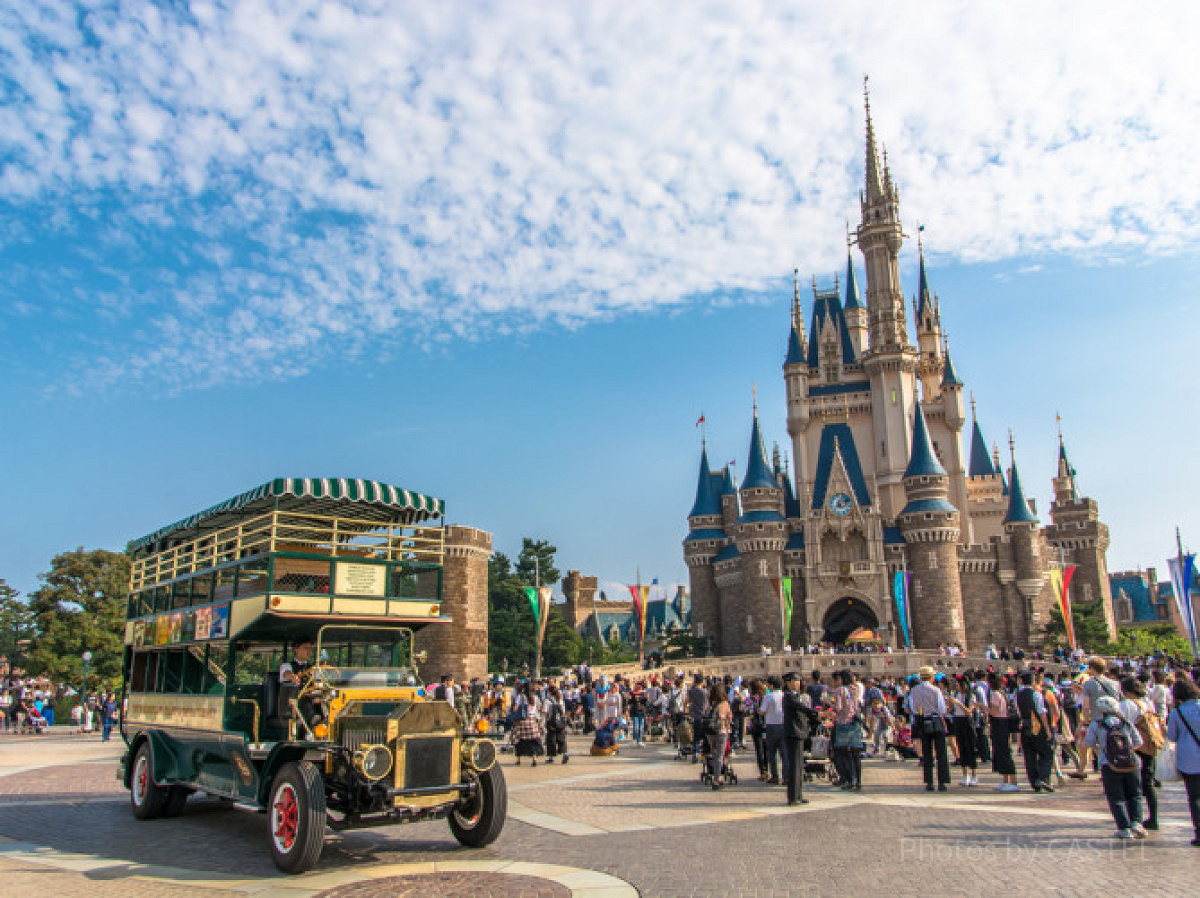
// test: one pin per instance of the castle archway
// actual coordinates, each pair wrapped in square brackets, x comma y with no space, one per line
[845,616]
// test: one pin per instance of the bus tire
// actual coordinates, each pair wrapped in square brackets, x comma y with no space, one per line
[145,797]
[177,797]
[478,821]
[296,817]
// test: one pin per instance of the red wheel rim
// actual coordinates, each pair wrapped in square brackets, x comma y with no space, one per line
[285,814]
[141,779]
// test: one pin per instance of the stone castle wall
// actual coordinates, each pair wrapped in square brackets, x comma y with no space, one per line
[460,648]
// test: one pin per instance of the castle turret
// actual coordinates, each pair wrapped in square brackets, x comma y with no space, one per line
[705,539]
[1021,527]
[795,380]
[855,311]
[930,526]
[954,414]
[929,336]
[1079,537]
[985,488]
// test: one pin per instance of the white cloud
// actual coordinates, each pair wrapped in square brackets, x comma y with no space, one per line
[285,176]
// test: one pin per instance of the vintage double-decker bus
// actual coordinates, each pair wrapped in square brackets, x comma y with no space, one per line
[269,660]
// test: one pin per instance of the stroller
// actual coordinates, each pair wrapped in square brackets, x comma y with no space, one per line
[816,763]
[656,726]
[902,740]
[33,719]
[683,740]
[727,775]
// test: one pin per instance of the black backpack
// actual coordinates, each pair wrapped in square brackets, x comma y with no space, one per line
[555,721]
[1118,747]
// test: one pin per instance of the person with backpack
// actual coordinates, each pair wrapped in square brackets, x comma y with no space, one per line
[1183,728]
[1139,711]
[1116,741]
[1036,734]
[554,713]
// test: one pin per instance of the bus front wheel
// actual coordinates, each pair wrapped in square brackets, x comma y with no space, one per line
[297,817]
[145,797]
[478,820]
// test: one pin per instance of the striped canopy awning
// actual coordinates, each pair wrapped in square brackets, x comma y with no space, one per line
[371,500]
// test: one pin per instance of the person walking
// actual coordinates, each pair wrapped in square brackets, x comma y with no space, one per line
[754,720]
[1183,728]
[721,716]
[1115,742]
[1035,734]
[554,715]
[847,732]
[798,721]
[962,708]
[928,707]
[1001,736]
[696,707]
[108,716]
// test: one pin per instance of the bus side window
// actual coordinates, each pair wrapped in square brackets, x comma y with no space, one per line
[145,666]
[170,671]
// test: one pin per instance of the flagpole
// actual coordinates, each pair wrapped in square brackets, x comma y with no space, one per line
[1186,597]
[638,618]
[537,585]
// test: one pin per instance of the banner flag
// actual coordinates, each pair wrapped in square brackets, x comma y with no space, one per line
[900,591]
[544,599]
[1060,582]
[1181,581]
[533,601]
[787,608]
[645,614]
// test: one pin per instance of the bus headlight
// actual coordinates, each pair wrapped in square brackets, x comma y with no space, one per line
[479,754]
[373,761]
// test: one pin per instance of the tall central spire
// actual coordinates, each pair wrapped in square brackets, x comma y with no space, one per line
[874,191]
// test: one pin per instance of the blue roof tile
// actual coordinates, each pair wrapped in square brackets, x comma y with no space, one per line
[727,486]
[981,460]
[795,352]
[1145,605]
[706,497]
[1018,506]
[892,536]
[758,470]
[727,554]
[791,505]
[922,505]
[924,300]
[853,300]
[923,461]
[795,542]
[766,516]
[830,307]
[843,437]
[858,386]
[949,375]
[704,533]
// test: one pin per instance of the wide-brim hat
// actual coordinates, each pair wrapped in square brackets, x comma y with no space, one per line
[926,672]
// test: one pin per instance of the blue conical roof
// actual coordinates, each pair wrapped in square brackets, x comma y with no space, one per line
[791,505]
[853,300]
[949,375]
[981,461]
[829,308]
[924,300]
[758,470]
[1018,506]
[795,353]
[727,485]
[707,501]
[923,461]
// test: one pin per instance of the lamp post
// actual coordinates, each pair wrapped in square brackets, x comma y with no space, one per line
[87,660]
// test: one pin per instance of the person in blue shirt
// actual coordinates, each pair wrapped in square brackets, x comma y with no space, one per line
[1183,728]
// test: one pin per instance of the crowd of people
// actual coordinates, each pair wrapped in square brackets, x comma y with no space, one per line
[1096,717]
[30,706]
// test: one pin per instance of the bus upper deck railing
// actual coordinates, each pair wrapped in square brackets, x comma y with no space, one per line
[279,531]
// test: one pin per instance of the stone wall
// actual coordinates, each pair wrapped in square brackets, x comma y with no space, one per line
[459,648]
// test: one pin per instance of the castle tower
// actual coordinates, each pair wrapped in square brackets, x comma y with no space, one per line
[705,539]
[1025,540]
[1077,536]
[890,361]
[985,488]
[760,537]
[795,380]
[930,526]
[580,593]
[460,649]
[954,416]
[856,312]
[929,336]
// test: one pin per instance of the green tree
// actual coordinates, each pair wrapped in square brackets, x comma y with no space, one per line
[1151,639]
[562,646]
[16,626]
[80,607]
[1091,631]
[535,564]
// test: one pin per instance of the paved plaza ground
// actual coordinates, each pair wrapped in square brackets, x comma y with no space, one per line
[637,824]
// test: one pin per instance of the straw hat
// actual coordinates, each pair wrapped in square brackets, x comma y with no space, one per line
[926,672]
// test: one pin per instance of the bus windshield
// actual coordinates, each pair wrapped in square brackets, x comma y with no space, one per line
[365,657]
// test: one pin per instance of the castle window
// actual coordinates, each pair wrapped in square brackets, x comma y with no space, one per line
[933,562]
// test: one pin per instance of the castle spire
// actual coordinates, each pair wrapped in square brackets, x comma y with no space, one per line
[874,186]
[758,470]
[924,461]
[707,502]
[1064,483]
[853,300]
[924,300]
[1018,506]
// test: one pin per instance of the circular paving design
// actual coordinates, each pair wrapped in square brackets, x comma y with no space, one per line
[452,885]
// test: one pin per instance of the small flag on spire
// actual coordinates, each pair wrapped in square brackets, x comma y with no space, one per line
[700,420]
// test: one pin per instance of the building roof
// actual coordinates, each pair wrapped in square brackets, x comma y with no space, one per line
[758,470]
[981,461]
[767,516]
[841,438]
[855,386]
[949,375]
[922,505]
[795,542]
[853,300]
[703,534]
[923,461]
[727,553]
[1145,601]
[362,499]
[727,487]
[1018,505]
[791,504]
[707,501]
[795,352]
[892,536]
[924,299]
[829,306]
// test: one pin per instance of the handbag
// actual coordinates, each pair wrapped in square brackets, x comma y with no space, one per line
[933,725]
[1164,764]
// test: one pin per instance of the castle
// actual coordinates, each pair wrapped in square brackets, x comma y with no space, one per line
[882,485]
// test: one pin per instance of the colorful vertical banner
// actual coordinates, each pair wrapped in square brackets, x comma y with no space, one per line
[787,609]
[641,601]
[539,601]
[900,592]
[1060,581]
[1183,573]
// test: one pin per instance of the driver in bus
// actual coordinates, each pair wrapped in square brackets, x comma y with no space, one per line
[291,673]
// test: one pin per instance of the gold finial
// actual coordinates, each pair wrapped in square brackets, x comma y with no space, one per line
[1012,447]
[1058,418]
[849,235]
[754,395]
[972,406]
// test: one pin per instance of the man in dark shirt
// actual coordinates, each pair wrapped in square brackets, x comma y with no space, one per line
[1036,744]
[697,704]
[798,721]
[816,690]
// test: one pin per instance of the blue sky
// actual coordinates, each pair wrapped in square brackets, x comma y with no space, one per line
[507,253]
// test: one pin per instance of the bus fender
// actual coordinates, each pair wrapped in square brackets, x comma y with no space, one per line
[282,753]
